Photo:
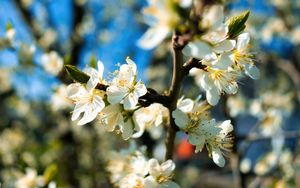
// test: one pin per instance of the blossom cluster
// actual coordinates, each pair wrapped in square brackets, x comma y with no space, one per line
[221,47]
[226,56]
[116,107]
[192,117]
[130,168]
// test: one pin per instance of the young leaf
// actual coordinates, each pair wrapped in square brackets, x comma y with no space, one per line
[236,24]
[76,74]
[9,26]
[93,61]
[50,173]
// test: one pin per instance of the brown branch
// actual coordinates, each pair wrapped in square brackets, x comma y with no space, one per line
[193,63]
[178,75]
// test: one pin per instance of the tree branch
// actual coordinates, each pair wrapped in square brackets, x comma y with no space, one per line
[178,75]
[193,63]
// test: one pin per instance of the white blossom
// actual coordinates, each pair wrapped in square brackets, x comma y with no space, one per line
[193,119]
[52,62]
[149,118]
[59,99]
[161,18]
[124,88]
[216,81]
[128,167]
[113,116]
[243,58]
[132,181]
[88,100]
[160,175]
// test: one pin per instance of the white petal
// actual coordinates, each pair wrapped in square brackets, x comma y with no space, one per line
[212,96]
[218,157]
[252,71]
[167,167]
[185,3]
[226,127]
[114,121]
[242,41]
[140,89]
[150,182]
[225,46]
[186,105]
[98,103]
[197,140]
[74,90]
[127,129]
[131,65]
[140,132]
[206,82]
[197,49]
[130,101]
[89,71]
[92,83]
[170,184]
[181,119]
[213,16]
[154,168]
[153,37]
[115,94]
[88,116]
[100,69]
[232,88]
[224,61]
[79,108]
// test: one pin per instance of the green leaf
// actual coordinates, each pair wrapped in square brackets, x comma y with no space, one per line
[236,24]
[93,61]
[50,172]
[76,74]
[9,26]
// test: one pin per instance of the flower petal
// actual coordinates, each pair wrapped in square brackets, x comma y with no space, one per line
[225,46]
[88,116]
[212,96]
[224,61]
[181,119]
[100,69]
[130,101]
[154,168]
[197,140]
[218,157]
[140,89]
[206,82]
[167,167]
[197,49]
[79,108]
[252,71]
[186,105]
[153,37]
[115,94]
[92,83]
[242,41]
[127,129]
[170,184]
[226,127]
